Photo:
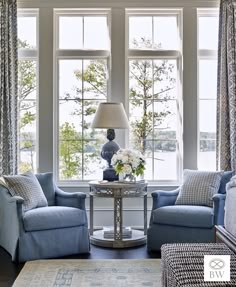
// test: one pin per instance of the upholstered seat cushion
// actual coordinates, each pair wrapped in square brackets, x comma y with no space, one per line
[184,215]
[53,217]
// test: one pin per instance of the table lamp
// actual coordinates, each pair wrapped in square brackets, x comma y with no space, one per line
[110,116]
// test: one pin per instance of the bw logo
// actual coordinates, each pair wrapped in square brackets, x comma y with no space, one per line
[217,264]
[217,268]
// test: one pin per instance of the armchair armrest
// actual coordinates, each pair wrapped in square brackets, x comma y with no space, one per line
[11,213]
[163,198]
[218,208]
[75,199]
[16,199]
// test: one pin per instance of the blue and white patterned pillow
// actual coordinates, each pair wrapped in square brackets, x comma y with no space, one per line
[28,187]
[199,187]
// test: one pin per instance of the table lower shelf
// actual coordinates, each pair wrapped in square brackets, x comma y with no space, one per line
[138,238]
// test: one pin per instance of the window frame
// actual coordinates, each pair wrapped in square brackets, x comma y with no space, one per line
[74,54]
[134,54]
[32,55]
[203,54]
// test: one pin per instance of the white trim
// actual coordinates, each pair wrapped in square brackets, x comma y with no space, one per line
[30,54]
[151,54]
[203,54]
[116,4]
[79,54]
[207,54]
[77,12]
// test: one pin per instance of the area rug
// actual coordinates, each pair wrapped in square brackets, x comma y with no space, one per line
[90,273]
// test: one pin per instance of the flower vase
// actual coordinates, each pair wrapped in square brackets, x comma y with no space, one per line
[121,176]
[130,178]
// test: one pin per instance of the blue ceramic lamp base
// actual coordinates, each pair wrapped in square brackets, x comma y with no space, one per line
[110,174]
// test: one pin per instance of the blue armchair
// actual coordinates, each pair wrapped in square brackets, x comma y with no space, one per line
[170,223]
[59,229]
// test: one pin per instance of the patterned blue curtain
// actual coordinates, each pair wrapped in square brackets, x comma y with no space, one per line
[226,87]
[8,87]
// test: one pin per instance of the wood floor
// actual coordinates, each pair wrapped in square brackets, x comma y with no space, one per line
[10,270]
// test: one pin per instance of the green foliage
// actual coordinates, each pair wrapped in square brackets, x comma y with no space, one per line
[70,151]
[27,119]
[25,167]
[145,73]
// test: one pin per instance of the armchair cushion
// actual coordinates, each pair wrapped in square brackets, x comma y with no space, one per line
[184,215]
[199,187]
[27,187]
[53,217]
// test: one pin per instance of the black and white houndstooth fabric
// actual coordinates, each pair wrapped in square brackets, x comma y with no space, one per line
[28,187]
[183,264]
[199,187]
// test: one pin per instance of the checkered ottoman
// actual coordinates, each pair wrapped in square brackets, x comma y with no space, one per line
[183,264]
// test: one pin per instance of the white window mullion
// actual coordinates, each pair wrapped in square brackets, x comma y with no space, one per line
[168,54]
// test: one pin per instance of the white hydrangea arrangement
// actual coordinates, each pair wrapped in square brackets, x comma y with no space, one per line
[128,162]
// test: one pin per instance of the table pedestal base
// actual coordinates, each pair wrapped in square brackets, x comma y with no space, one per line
[138,238]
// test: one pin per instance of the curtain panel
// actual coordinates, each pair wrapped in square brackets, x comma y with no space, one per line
[8,88]
[226,87]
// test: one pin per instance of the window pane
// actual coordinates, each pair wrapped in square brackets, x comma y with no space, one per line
[165,160]
[140,32]
[166,33]
[208,32]
[27,105]
[158,32]
[27,32]
[27,136]
[207,117]
[153,115]
[70,82]
[207,79]
[83,85]
[165,78]
[96,33]
[67,39]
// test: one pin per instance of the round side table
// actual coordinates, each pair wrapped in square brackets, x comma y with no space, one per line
[118,191]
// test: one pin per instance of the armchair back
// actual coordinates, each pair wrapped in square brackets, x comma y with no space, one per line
[48,186]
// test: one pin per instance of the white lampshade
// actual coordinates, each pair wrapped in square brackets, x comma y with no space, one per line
[110,116]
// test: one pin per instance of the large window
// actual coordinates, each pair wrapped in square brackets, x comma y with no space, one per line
[207,77]
[27,88]
[82,60]
[154,54]
[160,62]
